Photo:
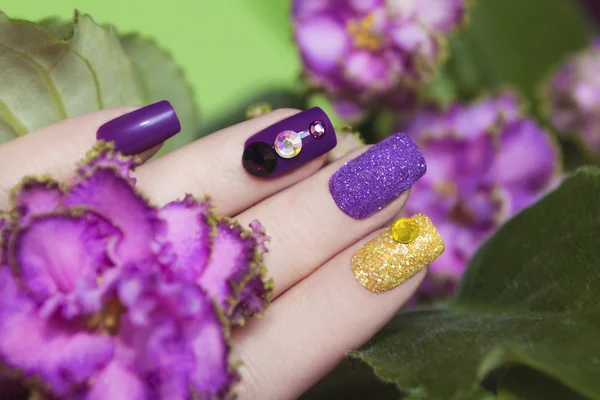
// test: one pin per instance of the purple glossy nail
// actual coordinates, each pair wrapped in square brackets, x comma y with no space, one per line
[141,129]
[289,144]
[371,181]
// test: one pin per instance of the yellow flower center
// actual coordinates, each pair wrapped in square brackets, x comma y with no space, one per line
[362,33]
[405,230]
[107,320]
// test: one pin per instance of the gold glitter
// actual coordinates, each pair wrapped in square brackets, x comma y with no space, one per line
[383,263]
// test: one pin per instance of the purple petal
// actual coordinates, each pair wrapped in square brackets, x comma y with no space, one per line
[36,196]
[527,158]
[367,70]
[254,299]
[116,382]
[188,233]
[114,197]
[4,237]
[56,253]
[230,263]
[305,8]
[55,353]
[172,338]
[322,55]
[104,156]
[443,16]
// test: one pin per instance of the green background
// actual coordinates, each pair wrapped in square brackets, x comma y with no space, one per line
[230,49]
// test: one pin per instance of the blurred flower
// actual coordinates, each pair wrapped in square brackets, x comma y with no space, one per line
[348,140]
[573,96]
[372,53]
[258,109]
[105,296]
[485,163]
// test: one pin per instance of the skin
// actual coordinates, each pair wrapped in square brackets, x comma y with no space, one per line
[320,311]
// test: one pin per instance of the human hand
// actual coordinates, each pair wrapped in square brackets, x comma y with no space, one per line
[320,310]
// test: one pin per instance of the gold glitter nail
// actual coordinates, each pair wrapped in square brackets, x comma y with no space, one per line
[384,263]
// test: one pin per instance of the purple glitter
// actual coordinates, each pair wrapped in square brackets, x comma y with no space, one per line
[374,179]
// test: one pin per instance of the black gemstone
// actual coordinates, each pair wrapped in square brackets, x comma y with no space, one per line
[259,159]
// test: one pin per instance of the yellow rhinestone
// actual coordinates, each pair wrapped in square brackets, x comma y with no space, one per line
[405,230]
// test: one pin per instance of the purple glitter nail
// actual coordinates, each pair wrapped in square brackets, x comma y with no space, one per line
[374,179]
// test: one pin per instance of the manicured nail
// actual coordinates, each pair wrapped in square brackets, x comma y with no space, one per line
[398,253]
[371,181]
[141,129]
[289,144]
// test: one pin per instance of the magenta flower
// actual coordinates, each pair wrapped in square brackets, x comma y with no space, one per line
[485,162]
[105,296]
[573,97]
[372,53]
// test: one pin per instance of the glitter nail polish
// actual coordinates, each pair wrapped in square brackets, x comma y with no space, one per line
[398,253]
[366,184]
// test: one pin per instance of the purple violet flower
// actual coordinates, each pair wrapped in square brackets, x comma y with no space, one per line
[573,97]
[374,52]
[485,163]
[105,296]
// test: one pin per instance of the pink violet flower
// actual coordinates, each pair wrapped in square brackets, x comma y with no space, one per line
[374,52]
[106,296]
[486,161]
[573,97]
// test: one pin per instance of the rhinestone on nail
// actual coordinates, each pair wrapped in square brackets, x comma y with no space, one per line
[317,129]
[288,144]
[259,159]
[405,230]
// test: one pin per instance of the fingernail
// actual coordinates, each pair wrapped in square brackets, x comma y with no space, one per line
[289,144]
[141,129]
[371,181]
[398,253]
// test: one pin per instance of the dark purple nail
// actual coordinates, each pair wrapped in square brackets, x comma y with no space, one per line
[141,129]
[289,144]
[371,181]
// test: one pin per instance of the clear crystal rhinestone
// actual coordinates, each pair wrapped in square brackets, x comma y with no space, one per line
[288,144]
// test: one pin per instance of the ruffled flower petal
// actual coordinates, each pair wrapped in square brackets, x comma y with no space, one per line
[573,98]
[114,197]
[59,356]
[57,253]
[36,196]
[103,155]
[536,154]
[189,236]
[231,263]
[172,337]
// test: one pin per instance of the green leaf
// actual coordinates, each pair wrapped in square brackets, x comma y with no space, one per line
[530,297]
[513,42]
[527,384]
[351,381]
[162,79]
[45,79]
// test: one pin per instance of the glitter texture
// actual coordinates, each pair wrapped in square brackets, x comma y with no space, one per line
[383,263]
[374,179]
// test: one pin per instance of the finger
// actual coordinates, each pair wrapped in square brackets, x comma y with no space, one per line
[308,227]
[306,332]
[56,149]
[213,165]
